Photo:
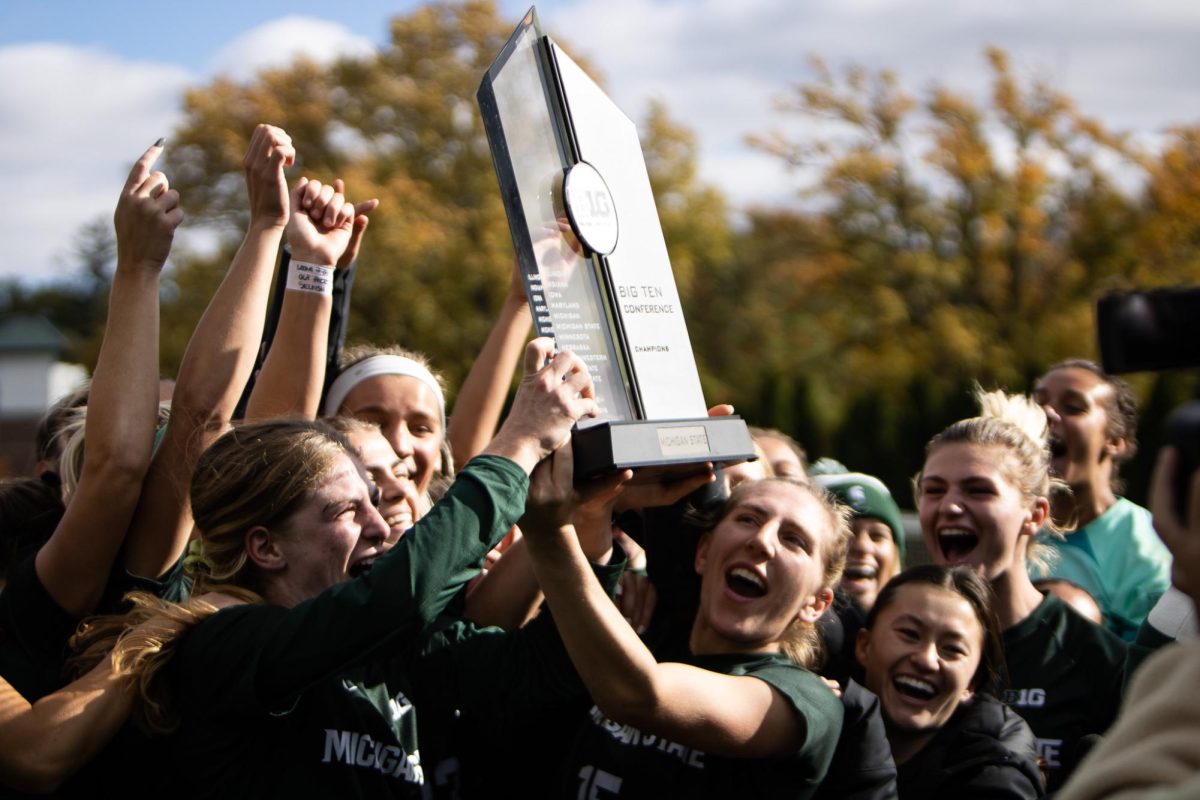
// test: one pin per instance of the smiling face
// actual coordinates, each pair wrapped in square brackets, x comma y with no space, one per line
[399,502]
[408,413]
[872,560]
[1082,447]
[762,569]
[920,658]
[971,511]
[334,535]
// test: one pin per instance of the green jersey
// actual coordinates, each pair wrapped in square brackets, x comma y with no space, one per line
[316,700]
[483,694]
[611,759]
[1065,678]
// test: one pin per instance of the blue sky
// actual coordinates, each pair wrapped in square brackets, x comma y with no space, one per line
[184,33]
[88,84]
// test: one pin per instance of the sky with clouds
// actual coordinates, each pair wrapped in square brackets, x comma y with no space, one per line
[88,84]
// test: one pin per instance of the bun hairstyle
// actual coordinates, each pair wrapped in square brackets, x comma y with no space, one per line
[1017,425]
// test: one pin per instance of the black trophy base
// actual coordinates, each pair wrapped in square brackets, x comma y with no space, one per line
[651,447]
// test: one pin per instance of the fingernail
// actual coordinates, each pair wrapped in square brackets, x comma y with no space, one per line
[160,141]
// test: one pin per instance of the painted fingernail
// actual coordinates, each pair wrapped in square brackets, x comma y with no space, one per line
[160,141]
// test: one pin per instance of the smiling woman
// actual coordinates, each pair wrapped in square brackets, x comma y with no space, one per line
[1111,552]
[741,714]
[304,626]
[930,651]
[982,495]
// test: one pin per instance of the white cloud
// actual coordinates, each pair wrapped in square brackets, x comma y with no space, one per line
[719,66]
[72,119]
[77,118]
[70,127]
[279,42]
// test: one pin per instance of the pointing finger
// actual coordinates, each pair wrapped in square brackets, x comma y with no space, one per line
[141,167]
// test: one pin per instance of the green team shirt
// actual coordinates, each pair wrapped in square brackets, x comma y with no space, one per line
[34,629]
[483,694]
[1065,677]
[1119,560]
[315,700]
[611,759]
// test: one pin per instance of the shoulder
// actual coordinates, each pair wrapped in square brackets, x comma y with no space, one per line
[234,629]
[808,694]
[1127,512]
[992,746]
[987,716]
[1083,637]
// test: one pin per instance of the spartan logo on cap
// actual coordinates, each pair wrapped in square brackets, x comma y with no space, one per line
[857,497]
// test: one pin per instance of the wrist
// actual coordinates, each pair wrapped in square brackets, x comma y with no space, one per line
[522,451]
[266,224]
[311,255]
[309,277]
[150,268]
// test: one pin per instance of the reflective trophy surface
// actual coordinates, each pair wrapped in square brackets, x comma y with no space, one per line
[595,265]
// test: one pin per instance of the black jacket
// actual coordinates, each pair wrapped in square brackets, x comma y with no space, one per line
[985,752]
[862,767]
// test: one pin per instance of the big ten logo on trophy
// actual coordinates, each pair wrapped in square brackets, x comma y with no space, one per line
[588,238]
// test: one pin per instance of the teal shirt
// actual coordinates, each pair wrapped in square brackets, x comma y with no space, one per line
[1119,560]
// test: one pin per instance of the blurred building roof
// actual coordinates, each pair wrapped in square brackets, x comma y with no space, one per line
[30,333]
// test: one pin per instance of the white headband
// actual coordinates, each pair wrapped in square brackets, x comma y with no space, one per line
[381,365]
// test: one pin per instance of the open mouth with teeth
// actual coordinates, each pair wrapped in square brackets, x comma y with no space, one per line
[745,583]
[915,688]
[361,567]
[862,571]
[957,544]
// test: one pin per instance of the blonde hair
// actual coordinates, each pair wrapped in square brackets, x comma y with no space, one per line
[1017,425]
[71,434]
[255,475]
[801,643]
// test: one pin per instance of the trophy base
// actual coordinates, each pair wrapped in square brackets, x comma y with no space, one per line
[651,447]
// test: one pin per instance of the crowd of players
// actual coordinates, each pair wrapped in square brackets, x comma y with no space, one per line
[334,587]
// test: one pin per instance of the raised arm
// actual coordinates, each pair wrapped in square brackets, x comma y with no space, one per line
[74,564]
[323,233]
[410,585]
[509,594]
[217,363]
[480,402]
[721,714]
[42,743]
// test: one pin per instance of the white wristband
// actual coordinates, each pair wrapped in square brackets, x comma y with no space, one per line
[305,277]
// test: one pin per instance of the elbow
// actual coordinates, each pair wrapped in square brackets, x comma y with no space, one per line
[118,471]
[636,705]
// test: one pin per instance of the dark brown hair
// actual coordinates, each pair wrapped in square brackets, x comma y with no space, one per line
[965,583]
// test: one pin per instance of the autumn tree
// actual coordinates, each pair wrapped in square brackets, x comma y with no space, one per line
[403,125]
[942,241]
